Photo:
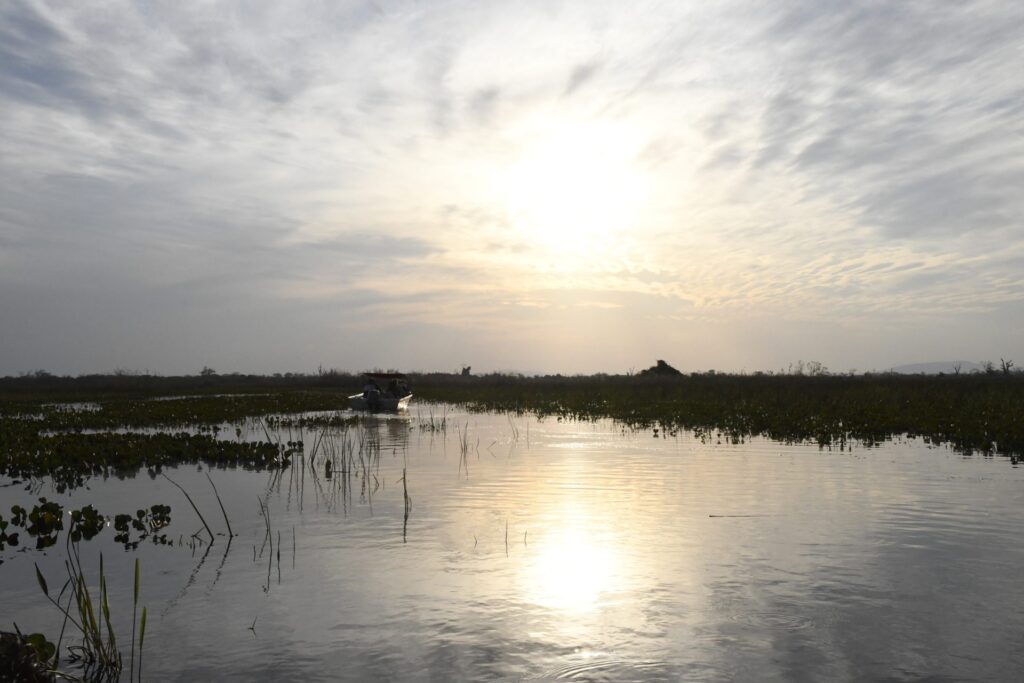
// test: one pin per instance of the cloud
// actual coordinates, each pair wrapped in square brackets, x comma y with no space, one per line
[903,99]
[811,162]
[580,75]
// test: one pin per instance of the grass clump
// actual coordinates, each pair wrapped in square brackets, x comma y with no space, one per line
[98,653]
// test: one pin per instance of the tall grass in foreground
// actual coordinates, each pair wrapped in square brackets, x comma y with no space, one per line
[98,654]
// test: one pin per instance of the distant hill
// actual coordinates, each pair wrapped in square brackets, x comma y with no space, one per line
[947,367]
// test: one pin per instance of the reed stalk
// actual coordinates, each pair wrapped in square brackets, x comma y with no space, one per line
[219,502]
[135,605]
[192,503]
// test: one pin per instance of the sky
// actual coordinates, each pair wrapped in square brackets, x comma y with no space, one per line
[567,187]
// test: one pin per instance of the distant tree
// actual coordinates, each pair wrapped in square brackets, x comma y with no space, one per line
[988,367]
[1006,365]
[956,368]
[811,367]
[207,372]
[816,368]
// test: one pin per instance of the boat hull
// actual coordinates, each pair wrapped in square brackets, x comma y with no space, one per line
[383,404]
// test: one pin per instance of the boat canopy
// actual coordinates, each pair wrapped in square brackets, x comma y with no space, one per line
[384,375]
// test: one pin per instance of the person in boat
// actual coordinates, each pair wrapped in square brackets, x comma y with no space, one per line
[371,392]
[393,390]
[403,389]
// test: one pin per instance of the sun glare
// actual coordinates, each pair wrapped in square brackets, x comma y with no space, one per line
[572,571]
[575,186]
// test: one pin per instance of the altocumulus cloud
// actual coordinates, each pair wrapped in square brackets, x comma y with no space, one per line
[271,187]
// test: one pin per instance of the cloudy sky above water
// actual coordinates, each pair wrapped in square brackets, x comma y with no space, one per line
[536,186]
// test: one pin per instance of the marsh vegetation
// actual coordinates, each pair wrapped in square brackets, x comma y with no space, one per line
[493,500]
[973,412]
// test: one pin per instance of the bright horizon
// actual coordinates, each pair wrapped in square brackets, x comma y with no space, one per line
[540,187]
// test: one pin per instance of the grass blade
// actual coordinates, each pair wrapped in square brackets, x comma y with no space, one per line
[192,503]
[222,510]
[135,607]
[42,581]
[142,637]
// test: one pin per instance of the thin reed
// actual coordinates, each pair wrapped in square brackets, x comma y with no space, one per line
[98,653]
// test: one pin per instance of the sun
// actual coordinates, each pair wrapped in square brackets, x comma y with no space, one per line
[575,186]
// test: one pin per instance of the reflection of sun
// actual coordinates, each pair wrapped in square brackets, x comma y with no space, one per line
[575,185]
[571,571]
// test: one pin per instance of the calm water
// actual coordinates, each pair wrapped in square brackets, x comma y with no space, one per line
[573,551]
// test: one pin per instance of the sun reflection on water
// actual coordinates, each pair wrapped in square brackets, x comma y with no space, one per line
[572,568]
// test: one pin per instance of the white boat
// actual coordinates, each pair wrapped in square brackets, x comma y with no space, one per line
[380,403]
[380,400]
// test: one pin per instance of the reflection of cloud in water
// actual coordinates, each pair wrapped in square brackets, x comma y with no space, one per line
[904,595]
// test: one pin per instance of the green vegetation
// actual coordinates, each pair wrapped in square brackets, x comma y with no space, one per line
[98,654]
[68,459]
[25,658]
[45,521]
[64,431]
[973,413]
[40,436]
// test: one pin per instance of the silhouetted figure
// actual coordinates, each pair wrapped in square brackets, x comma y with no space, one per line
[371,392]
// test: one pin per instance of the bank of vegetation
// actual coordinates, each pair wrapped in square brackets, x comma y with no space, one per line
[975,413]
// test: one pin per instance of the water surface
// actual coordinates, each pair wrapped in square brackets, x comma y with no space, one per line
[548,549]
